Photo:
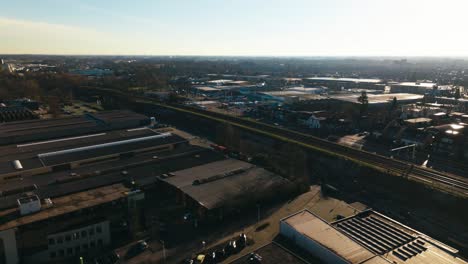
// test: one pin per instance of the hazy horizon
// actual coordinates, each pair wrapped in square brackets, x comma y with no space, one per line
[341,57]
[296,28]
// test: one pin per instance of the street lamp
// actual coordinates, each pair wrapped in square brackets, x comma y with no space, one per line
[164,250]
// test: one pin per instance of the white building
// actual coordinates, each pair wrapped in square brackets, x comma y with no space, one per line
[365,238]
[315,90]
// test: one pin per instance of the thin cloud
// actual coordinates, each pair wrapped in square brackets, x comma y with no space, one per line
[129,18]
[43,26]
[24,36]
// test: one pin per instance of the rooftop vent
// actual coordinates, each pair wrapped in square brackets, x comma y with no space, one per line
[17,164]
[48,202]
[29,204]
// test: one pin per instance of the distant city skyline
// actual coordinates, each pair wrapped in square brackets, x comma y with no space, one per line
[235,28]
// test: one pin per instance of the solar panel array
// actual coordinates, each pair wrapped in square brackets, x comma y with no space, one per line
[381,237]
[410,250]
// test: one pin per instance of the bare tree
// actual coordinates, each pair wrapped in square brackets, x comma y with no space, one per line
[54,105]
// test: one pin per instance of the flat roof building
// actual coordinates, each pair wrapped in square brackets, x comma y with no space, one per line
[290,95]
[413,87]
[307,90]
[80,174]
[40,157]
[345,83]
[345,80]
[367,238]
[84,191]
[219,82]
[65,227]
[206,89]
[225,184]
[419,122]
[31,130]
[375,99]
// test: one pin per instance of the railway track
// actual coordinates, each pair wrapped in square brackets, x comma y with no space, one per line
[399,167]
[456,184]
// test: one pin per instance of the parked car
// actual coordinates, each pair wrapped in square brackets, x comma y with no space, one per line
[136,249]
[241,242]
[199,259]
[220,255]
[231,248]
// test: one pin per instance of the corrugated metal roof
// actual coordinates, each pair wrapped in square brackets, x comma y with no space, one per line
[327,236]
[224,182]
[372,238]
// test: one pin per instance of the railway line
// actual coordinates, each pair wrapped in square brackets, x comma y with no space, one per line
[385,163]
[434,178]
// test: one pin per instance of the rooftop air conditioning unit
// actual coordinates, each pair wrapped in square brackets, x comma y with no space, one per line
[29,204]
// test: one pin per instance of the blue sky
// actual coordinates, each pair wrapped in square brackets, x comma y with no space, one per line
[235,27]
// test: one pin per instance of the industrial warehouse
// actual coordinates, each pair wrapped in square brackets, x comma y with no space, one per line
[367,237]
[16,132]
[224,185]
[74,193]
[264,170]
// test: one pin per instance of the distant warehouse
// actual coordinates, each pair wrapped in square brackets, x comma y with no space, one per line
[344,83]
[380,99]
[23,131]
[413,87]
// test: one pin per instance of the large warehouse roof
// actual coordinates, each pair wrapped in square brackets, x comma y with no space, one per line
[37,154]
[354,80]
[372,238]
[214,184]
[105,149]
[318,230]
[143,168]
[64,205]
[24,131]
[417,84]
[379,98]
